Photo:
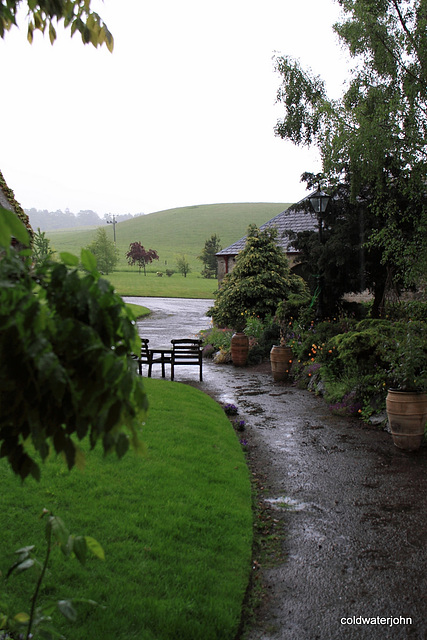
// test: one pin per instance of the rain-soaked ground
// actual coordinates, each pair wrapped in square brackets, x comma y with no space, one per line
[351,507]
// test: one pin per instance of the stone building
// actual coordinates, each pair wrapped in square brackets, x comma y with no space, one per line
[296,218]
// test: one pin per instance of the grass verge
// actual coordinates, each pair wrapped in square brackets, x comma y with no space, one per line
[137,310]
[175,524]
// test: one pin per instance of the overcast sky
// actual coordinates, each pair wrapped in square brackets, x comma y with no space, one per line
[182,113]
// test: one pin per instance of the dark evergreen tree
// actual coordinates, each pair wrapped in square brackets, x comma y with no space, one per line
[104,251]
[258,282]
[336,258]
[208,257]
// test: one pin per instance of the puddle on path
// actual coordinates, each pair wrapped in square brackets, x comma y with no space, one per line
[284,502]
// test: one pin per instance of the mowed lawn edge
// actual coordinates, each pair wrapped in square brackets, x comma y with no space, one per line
[138,311]
[175,524]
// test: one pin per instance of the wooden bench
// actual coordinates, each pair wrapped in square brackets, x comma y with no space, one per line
[186,352]
[152,356]
[144,357]
[159,356]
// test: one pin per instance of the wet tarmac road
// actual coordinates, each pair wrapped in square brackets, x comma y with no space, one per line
[171,318]
[352,507]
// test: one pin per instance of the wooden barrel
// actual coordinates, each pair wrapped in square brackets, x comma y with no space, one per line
[407,417]
[281,361]
[239,348]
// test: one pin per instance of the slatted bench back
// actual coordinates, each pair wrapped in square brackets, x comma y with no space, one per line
[144,356]
[186,352]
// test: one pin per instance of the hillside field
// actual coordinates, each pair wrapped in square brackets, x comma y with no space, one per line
[174,231]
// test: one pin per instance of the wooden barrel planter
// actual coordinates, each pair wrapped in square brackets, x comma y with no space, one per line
[281,362]
[239,348]
[407,417]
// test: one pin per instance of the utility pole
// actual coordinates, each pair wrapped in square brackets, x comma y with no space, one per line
[113,222]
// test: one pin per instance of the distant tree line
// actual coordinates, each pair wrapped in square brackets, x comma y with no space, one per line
[48,220]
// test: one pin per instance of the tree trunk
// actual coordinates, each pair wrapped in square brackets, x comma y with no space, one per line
[379,300]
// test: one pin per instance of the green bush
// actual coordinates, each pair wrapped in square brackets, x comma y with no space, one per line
[217,338]
[407,310]
[310,340]
[255,326]
[262,335]
[354,363]
[258,282]
[256,354]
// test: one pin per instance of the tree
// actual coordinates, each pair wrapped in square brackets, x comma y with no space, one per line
[104,251]
[42,251]
[140,256]
[183,265]
[42,14]
[258,282]
[375,135]
[336,260]
[66,371]
[87,218]
[208,257]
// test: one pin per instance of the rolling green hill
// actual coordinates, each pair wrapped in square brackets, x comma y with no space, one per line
[174,231]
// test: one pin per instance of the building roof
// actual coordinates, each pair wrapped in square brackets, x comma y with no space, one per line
[296,218]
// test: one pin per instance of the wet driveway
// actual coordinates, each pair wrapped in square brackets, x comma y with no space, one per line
[351,507]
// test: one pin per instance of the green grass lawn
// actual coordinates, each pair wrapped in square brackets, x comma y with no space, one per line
[132,283]
[175,524]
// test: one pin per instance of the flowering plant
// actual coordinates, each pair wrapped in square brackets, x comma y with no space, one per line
[231,409]
[286,311]
[239,425]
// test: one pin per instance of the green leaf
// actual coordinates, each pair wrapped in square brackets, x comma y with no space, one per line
[69,259]
[88,260]
[23,566]
[52,33]
[47,631]
[67,610]
[58,530]
[11,226]
[79,546]
[24,551]
[94,546]
[24,562]
[122,445]
[110,42]
[22,617]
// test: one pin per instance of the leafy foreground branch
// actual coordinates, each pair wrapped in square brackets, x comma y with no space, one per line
[66,371]
[45,14]
[39,618]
